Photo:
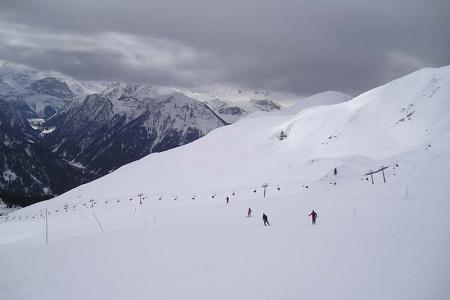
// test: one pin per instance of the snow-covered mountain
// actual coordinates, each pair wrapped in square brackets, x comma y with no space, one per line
[233,111]
[160,227]
[90,128]
[232,104]
[125,123]
[41,94]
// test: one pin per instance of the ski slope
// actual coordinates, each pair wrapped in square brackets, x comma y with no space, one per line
[383,240]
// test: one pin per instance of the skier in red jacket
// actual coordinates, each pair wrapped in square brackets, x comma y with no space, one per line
[313,216]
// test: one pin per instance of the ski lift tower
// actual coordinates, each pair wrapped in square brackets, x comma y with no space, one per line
[381,169]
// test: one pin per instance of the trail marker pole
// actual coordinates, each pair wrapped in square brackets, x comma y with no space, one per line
[140,198]
[354,213]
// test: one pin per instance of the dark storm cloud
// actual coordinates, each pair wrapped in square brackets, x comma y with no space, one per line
[297,46]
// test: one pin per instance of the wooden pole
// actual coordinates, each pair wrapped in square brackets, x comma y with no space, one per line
[384,178]
[371,176]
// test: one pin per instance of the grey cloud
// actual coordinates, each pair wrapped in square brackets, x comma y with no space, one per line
[296,46]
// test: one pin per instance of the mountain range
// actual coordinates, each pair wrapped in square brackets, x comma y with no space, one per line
[124,123]
[59,132]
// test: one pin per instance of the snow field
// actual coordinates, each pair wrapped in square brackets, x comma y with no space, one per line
[390,249]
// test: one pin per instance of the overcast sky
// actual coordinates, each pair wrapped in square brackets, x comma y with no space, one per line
[301,47]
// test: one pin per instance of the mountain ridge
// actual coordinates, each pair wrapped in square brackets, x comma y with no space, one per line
[131,122]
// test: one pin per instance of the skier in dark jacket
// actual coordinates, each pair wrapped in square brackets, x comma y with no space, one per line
[228,199]
[313,216]
[265,220]
[249,213]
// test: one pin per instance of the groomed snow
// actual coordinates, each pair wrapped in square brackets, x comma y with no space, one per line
[372,241]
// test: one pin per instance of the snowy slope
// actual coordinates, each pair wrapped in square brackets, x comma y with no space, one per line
[383,240]
[325,98]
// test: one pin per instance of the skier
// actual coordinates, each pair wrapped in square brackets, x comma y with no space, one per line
[228,199]
[266,222]
[249,213]
[313,216]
